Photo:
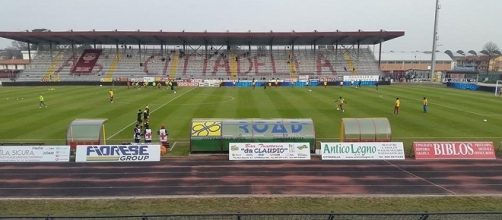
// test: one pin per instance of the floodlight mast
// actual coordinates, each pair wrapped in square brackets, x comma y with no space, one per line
[434,39]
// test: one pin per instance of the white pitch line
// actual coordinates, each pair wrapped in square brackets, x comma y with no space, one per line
[174,144]
[129,125]
[428,181]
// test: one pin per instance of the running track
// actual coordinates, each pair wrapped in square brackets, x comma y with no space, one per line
[218,176]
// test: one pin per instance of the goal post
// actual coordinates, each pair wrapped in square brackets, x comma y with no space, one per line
[498,90]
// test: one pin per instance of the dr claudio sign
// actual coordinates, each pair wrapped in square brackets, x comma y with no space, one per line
[117,153]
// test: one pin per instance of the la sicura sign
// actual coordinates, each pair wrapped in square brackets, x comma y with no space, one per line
[454,150]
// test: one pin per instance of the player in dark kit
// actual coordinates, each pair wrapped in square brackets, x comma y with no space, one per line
[138,117]
[146,115]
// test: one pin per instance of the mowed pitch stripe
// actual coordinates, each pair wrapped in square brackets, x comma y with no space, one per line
[154,110]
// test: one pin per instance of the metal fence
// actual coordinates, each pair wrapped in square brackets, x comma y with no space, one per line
[309,216]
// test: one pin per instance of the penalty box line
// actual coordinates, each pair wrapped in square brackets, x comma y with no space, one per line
[132,123]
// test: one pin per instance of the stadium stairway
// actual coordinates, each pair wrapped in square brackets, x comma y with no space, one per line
[175,59]
[234,66]
[292,63]
[51,74]
[350,63]
[108,77]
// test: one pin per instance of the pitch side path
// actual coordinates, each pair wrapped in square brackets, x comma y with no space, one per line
[217,176]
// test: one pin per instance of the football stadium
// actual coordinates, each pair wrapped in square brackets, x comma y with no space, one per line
[247,125]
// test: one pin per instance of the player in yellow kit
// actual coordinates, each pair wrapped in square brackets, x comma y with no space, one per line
[110,94]
[425,104]
[397,105]
[42,103]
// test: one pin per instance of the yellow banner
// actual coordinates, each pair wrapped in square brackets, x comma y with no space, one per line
[206,129]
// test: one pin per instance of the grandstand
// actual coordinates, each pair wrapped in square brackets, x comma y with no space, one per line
[229,56]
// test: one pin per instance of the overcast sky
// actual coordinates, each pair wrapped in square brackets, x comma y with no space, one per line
[463,24]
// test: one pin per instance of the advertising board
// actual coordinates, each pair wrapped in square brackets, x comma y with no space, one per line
[117,153]
[35,153]
[454,150]
[269,151]
[362,151]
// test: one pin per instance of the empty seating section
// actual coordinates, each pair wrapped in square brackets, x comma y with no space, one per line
[238,64]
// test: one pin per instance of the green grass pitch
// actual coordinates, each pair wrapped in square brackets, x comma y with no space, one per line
[454,115]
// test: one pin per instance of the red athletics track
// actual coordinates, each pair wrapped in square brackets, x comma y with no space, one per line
[217,176]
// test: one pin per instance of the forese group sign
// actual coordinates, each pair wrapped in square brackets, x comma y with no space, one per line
[362,151]
[34,153]
[454,150]
[117,153]
[269,151]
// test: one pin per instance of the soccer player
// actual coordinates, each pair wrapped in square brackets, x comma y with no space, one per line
[146,115]
[254,83]
[163,136]
[340,104]
[42,103]
[425,104]
[397,104]
[137,133]
[171,84]
[110,94]
[325,83]
[148,134]
[138,116]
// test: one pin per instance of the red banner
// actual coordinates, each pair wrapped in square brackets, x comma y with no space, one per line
[454,150]
[87,61]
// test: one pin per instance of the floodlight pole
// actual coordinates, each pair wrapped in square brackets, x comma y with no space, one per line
[434,39]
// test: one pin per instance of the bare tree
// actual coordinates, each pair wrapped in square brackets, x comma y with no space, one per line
[18,45]
[490,49]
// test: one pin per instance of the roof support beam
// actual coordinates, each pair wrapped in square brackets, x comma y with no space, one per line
[72,49]
[139,46]
[29,52]
[358,47]
[50,50]
[161,48]
[205,48]
[336,51]
[380,56]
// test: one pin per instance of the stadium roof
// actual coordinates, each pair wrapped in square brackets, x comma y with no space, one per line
[202,38]
[414,56]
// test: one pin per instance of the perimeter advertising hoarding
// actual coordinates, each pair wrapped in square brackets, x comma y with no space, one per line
[269,151]
[117,153]
[360,78]
[215,135]
[362,151]
[454,150]
[34,153]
